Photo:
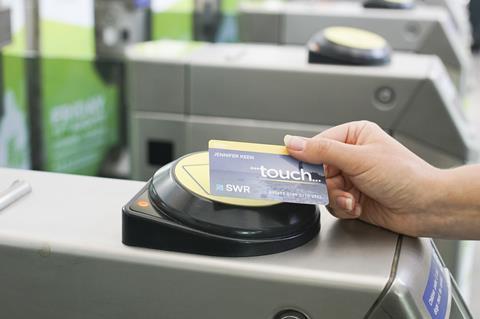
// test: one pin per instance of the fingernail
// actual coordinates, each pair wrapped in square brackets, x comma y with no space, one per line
[325,171]
[357,211]
[295,143]
[345,203]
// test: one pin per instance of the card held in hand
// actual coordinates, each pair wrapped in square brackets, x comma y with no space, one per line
[262,171]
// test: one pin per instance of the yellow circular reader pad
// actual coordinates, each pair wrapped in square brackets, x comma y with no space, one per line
[192,172]
[354,38]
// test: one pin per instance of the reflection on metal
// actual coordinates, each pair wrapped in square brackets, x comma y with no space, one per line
[13,193]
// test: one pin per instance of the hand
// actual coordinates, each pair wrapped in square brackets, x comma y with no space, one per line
[373,177]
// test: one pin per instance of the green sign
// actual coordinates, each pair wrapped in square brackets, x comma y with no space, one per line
[79,107]
[172,19]
[80,116]
[14,128]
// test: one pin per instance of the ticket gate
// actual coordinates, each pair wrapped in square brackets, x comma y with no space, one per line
[181,95]
[118,24]
[457,10]
[421,29]
[67,258]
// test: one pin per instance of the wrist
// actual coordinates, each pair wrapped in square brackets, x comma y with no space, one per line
[452,212]
[436,202]
[442,195]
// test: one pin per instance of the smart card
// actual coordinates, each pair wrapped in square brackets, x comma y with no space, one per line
[262,171]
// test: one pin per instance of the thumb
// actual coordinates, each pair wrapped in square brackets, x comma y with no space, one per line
[318,150]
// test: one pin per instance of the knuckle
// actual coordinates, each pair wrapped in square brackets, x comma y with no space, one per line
[322,146]
[370,125]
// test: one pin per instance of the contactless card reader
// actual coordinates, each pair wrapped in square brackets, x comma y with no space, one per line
[390,4]
[176,212]
[348,46]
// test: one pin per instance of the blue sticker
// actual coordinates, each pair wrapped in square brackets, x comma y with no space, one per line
[142,4]
[436,294]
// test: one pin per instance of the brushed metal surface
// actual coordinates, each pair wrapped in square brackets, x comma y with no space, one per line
[63,242]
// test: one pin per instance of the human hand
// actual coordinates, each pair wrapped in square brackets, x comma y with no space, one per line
[373,177]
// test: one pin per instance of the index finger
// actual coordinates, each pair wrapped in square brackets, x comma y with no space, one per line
[346,133]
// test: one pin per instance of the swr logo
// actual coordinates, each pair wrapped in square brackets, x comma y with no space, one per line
[233,188]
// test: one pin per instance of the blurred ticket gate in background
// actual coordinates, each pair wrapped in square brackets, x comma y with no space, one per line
[421,29]
[118,24]
[181,95]
[72,260]
[457,9]
[208,83]
[72,90]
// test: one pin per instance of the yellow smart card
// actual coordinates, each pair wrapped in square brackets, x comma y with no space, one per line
[263,171]
[248,147]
